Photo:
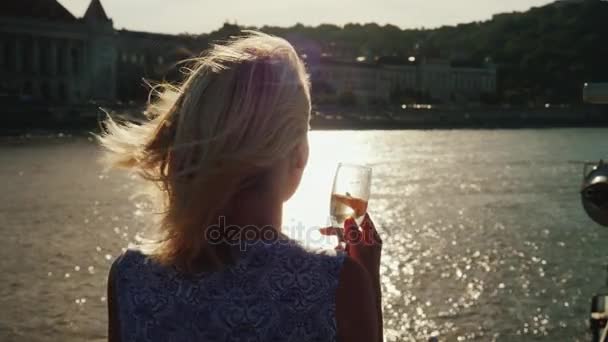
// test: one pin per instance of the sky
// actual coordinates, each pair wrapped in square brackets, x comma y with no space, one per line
[202,16]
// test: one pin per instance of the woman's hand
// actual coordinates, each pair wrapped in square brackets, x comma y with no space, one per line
[363,244]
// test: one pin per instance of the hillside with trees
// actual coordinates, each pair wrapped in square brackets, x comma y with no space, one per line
[543,55]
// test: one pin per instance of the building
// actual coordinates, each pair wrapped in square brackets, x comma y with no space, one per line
[333,79]
[152,56]
[47,55]
[387,78]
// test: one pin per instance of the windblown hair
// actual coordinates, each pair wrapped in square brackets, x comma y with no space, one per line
[242,107]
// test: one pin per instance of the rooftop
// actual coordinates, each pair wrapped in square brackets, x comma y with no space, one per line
[50,10]
[95,12]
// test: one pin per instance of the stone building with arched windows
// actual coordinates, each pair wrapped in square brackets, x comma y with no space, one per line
[49,56]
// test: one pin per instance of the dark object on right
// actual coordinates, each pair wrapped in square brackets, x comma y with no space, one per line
[594,196]
[594,192]
[599,315]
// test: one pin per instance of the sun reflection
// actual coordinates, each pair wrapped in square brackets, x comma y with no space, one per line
[308,209]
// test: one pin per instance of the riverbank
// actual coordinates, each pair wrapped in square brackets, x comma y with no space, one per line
[455,118]
[22,120]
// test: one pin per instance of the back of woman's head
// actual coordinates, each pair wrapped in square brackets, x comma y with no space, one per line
[243,107]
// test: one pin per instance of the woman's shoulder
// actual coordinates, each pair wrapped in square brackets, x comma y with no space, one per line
[130,256]
[132,259]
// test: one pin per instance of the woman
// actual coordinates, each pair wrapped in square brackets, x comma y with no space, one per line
[226,149]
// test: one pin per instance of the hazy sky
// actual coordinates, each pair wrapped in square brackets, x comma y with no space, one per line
[198,16]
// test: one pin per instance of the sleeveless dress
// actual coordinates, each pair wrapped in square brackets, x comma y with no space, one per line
[275,291]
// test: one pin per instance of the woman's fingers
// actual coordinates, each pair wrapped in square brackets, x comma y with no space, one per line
[352,234]
[329,231]
[368,231]
[370,234]
[367,222]
[333,231]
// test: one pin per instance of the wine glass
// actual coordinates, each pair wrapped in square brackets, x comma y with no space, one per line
[350,193]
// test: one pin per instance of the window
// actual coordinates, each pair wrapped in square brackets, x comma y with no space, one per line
[28,90]
[46,91]
[59,61]
[63,93]
[2,56]
[75,61]
[44,58]
[17,54]
[9,59]
[27,55]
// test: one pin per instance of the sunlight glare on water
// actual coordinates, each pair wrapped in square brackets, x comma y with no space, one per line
[308,209]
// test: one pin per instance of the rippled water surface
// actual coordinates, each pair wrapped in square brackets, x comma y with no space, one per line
[484,235]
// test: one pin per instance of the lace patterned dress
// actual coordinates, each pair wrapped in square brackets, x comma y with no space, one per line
[274,292]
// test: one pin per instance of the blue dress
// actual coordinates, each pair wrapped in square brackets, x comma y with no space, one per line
[274,292]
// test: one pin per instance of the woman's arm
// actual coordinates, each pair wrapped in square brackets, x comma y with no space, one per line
[359,282]
[356,308]
[113,322]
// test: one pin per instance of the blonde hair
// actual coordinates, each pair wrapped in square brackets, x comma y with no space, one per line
[242,107]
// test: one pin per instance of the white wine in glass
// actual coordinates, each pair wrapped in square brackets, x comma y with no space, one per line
[350,193]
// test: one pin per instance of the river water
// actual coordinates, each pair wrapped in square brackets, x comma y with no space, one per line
[485,238]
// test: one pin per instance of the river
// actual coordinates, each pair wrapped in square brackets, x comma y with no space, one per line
[484,235]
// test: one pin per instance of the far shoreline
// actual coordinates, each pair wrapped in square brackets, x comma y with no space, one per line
[59,133]
[87,119]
